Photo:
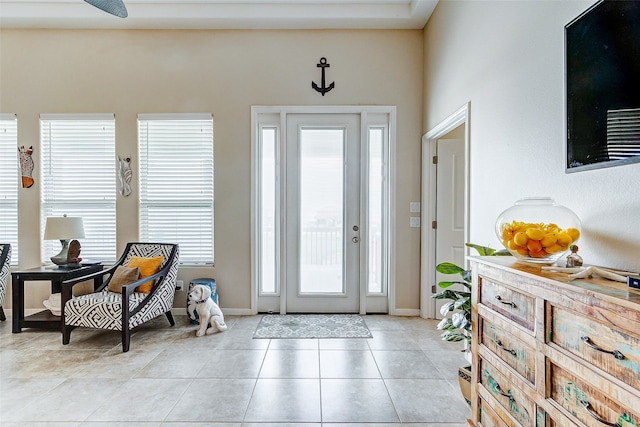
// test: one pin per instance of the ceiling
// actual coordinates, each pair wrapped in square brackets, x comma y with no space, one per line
[221,14]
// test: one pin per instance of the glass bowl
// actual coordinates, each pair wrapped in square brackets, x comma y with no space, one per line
[538,230]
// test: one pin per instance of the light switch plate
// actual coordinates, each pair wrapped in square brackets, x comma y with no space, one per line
[414,207]
[414,221]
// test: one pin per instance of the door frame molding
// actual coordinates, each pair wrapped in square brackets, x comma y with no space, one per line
[428,200]
[282,111]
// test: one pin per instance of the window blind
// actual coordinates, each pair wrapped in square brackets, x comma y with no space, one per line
[176,183]
[9,182]
[79,179]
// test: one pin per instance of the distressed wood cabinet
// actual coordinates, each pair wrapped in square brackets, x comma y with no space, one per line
[551,351]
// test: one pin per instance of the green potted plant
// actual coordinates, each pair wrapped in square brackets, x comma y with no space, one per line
[456,322]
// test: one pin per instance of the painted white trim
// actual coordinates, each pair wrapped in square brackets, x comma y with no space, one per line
[450,123]
[253,209]
[176,116]
[392,214]
[237,312]
[81,116]
[282,202]
[7,116]
[427,241]
[363,220]
[410,312]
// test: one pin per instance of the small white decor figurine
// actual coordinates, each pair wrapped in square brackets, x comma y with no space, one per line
[209,313]
[124,175]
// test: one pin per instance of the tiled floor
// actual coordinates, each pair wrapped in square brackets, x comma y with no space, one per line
[404,375]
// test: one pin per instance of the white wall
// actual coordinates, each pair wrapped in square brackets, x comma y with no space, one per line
[225,73]
[507,59]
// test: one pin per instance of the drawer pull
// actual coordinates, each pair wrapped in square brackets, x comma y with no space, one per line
[615,353]
[508,350]
[511,303]
[590,411]
[499,390]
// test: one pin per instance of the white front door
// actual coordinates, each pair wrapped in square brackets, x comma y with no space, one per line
[322,225]
[321,209]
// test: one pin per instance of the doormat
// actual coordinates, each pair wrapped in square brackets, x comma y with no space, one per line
[275,326]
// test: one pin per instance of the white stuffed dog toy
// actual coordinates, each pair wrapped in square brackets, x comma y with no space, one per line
[208,311]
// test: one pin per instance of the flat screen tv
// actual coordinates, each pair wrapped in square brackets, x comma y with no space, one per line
[602,69]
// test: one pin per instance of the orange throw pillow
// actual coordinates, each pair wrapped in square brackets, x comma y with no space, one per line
[147,267]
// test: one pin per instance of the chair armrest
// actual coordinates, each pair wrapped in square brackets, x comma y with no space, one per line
[129,288]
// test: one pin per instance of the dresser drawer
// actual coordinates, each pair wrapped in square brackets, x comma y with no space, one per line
[509,302]
[586,403]
[611,350]
[510,349]
[514,401]
[488,417]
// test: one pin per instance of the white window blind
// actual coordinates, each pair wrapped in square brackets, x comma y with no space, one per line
[9,181]
[79,179]
[176,183]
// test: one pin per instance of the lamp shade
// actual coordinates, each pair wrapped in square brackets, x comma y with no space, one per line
[63,228]
[114,7]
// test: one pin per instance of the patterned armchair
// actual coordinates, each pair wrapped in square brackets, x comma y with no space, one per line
[104,309]
[5,262]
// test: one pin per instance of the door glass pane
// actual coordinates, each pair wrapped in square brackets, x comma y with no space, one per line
[375,250]
[321,210]
[268,212]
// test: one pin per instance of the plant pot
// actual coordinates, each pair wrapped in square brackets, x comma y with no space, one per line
[464,380]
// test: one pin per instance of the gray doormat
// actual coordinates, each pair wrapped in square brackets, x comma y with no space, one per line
[274,326]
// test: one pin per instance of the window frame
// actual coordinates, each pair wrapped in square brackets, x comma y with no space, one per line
[100,245]
[9,201]
[148,202]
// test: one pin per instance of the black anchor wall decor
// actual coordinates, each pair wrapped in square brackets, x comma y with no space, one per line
[323,89]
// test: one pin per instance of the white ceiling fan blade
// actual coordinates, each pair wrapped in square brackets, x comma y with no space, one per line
[114,7]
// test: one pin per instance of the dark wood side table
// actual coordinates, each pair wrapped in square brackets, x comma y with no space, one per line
[45,319]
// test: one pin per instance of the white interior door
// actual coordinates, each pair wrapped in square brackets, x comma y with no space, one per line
[322,213]
[449,208]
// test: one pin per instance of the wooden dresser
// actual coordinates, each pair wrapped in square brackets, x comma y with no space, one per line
[551,351]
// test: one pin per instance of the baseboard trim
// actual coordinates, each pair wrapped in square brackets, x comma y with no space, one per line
[410,312]
[178,311]
[182,311]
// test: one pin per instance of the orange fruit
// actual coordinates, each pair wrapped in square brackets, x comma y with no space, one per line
[564,239]
[555,248]
[520,238]
[507,234]
[511,245]
[534,233]
[538,254]
[549,239]
[534,246]
[573,232]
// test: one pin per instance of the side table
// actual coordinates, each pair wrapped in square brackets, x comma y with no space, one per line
[45,319]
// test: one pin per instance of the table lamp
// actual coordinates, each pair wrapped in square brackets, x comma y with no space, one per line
[64,228]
